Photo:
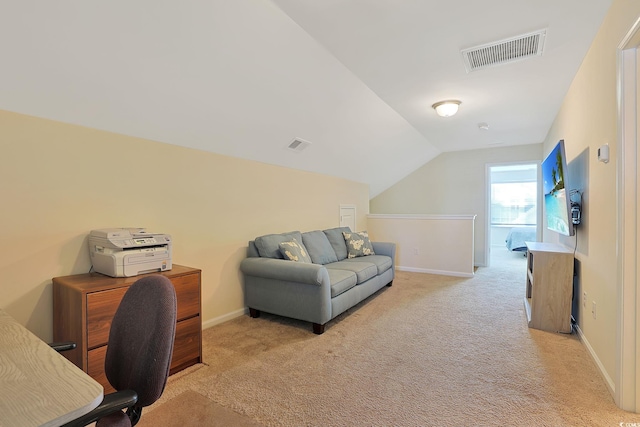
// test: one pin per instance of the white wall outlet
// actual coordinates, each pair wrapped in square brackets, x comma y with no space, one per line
[584,300]
[416,251]
[593,309]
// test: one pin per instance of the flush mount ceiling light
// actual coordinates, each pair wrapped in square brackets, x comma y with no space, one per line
[446,108]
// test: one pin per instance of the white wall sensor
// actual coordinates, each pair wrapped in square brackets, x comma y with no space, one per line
[603,153]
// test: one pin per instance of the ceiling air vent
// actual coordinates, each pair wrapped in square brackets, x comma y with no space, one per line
[298,145]
[504,51]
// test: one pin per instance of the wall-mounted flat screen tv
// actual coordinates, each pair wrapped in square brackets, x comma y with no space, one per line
[557,203]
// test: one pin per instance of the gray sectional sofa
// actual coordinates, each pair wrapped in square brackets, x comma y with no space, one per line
[319,290]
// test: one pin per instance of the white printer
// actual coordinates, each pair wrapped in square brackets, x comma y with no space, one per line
[127,252]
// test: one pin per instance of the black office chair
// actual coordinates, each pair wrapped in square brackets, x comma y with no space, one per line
[139,352]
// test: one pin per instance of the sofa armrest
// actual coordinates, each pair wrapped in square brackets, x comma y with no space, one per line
[385,248]
[279,269]
[287,288]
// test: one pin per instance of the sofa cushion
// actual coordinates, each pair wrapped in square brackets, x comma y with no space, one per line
[382,262]
[341,281]
[336,238]
[294,251]
[319,248]
[364,270]
[268,244]
[358,244]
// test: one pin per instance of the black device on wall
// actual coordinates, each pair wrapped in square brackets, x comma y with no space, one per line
[576,207]
[575,213]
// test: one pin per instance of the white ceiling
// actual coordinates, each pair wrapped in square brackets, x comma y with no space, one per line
[408,53]
[356,78]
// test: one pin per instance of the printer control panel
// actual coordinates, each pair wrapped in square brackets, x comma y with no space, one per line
[145,241]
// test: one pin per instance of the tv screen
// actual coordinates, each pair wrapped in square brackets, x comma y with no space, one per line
[557,205]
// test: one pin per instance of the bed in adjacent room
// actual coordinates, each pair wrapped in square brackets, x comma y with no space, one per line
[518,235]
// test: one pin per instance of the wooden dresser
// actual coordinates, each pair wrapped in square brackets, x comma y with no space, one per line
[84,305]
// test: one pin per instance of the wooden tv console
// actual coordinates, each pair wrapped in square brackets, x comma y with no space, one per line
[549,287]
[84,305]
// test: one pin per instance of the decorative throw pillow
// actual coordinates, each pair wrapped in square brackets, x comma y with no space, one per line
[294,251]
[358,244]
[268,245]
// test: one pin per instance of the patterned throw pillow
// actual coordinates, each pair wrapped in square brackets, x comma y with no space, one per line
[358,244]
[294,251]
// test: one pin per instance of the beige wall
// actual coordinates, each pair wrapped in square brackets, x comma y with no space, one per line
[435,244]
[587,120]
[453,183]
[59,181]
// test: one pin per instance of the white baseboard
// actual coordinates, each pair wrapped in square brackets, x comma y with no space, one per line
[603,372]
[224,318]
[430,271]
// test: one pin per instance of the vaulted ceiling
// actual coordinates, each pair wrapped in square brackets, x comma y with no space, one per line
[243,78]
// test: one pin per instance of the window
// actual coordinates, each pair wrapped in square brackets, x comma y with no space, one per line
[513,195]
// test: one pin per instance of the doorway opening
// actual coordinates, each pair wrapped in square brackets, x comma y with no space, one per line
[512,210]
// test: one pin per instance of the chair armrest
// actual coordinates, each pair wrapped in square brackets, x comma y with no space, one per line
[279,269]
[111,403]
[62,346]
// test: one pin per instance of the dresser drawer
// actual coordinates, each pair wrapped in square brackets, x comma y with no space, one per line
[101,307]
[95,368]
[186,352]
[186,348]
[188,295]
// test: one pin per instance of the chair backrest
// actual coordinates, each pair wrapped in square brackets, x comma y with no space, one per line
[141,339]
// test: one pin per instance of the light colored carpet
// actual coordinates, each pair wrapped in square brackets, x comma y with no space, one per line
[193,409]
[428,351]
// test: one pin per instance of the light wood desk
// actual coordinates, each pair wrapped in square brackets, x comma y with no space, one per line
[38,386]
